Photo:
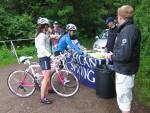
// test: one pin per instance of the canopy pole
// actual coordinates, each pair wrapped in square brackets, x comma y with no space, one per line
[14,51]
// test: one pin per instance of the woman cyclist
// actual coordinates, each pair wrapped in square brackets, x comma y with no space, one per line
[65,40]
[42,42]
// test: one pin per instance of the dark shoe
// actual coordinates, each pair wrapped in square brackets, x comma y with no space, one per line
[51,91]
[46,101]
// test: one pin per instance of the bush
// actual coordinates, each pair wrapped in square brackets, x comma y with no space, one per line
[27,51]
[87,42]
[18,26]
[21,27]
[142,81]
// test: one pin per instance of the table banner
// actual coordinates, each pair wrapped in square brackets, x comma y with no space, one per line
[84,68]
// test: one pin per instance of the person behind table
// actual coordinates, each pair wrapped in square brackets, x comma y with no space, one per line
[55,34]
[65,41]
[111,34]
[43,53]
[126,57]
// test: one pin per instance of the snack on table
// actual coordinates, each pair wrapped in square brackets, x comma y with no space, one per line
[99,55]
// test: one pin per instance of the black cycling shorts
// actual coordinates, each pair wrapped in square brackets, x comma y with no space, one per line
[44,63]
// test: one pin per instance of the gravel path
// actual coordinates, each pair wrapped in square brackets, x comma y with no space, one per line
[85,101]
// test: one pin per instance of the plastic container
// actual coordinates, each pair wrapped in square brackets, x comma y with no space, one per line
[105,82]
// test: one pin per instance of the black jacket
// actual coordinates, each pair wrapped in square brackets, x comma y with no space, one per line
[111,39]
[126,53]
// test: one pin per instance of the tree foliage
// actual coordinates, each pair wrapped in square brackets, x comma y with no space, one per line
[18,17]
[142,17]
[88,15]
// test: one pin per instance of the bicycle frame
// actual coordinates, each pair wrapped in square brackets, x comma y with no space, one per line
[30,68]
[31,71]
[28,80]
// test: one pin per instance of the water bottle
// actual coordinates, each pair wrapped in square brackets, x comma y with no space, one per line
[37,78]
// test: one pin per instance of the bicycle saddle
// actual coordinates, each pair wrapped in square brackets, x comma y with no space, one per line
[22,59]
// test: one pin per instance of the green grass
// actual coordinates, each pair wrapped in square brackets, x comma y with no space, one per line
[27,51]
[7,57]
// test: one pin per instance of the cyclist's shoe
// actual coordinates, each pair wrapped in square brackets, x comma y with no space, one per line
[46,101]
[51,91]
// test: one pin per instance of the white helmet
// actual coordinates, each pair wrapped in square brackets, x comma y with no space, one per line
[42,21]
[71,27]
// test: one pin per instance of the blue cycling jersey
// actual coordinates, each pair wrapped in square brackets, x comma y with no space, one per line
[64,42]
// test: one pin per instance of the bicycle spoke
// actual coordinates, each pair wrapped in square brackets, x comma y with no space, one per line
[16,80]
[64,83]
[21,83]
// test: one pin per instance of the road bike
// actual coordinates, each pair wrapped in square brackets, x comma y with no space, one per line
[23,83]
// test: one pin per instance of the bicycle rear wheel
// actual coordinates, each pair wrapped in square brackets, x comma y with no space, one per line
[64,83]
[21,83]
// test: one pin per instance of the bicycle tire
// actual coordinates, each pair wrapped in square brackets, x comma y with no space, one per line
[16,83]
[68,87]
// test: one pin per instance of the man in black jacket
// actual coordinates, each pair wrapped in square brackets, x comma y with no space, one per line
[111,34]
[126,57]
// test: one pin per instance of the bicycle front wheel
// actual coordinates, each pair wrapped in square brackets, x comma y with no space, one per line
[64,83]
[21,83]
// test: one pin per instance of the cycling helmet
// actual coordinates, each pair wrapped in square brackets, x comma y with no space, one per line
[55,22]
[71,27]
[109,19]
[42,21]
